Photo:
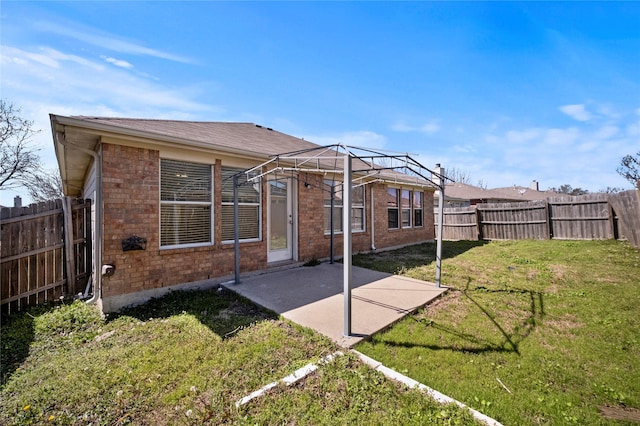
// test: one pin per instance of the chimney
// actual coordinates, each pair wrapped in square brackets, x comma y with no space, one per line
[17,201]
[534,185]
[440,171]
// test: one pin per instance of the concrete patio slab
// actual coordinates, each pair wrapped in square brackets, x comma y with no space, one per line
[313,297]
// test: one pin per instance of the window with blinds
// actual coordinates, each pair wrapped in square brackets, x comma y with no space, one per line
[418,196]
[357,208]
[185,204]
[392,208]
[405,202]
[249,206]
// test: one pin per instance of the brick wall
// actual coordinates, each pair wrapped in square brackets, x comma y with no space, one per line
[313,243]
[131,192]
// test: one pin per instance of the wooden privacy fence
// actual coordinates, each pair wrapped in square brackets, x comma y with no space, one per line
[45,252]
[591,216]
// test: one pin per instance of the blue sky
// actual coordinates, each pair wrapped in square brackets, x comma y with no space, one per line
[506,92]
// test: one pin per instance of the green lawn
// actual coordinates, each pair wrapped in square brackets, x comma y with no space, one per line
[186,359]
[531,332]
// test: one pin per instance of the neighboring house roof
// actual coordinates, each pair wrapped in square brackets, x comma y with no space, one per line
[523,193]
[462,191]
[244,140]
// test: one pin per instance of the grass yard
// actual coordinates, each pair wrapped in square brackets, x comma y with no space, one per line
[186,359]
[531,332]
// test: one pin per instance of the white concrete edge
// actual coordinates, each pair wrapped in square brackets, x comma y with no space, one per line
[411,383]
[297,375]
[303,372]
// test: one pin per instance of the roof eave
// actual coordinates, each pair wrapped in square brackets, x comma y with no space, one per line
[110,130]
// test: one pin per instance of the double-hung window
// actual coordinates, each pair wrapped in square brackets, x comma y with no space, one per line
[185,204]
[417,208]
[332,187]
[357,207]
[392,208]
[405,202]
[249,202]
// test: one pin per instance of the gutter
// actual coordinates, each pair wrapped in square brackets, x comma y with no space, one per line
[97,267]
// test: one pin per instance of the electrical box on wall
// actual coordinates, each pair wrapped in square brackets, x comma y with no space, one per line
[134,243]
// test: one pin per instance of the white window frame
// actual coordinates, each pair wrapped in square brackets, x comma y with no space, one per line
[186,203]
[360,206]
[338,208]
[396,207]
[419,208]
[258,184]
[406,209]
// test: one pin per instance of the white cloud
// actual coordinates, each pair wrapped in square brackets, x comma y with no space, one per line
[117,62]
[606,132]
[428,128]
[577,112]
[561,136]
[633,129]
[104,40]
[464,148]
[522,136]
[360,138]
[56,77]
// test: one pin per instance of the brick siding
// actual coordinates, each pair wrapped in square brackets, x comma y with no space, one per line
[131,194]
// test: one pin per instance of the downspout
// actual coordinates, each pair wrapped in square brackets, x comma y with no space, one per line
[373,222]
[97,267]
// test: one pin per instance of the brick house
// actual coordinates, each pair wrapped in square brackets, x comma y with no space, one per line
[169,182]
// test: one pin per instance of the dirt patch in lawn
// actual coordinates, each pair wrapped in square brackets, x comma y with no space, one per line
[626,414]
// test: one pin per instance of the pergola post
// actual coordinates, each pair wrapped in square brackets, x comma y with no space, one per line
[440,172]
[346,232]
[333,197]
[236,230]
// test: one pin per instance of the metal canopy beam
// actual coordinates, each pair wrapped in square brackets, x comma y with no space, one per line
[304,161]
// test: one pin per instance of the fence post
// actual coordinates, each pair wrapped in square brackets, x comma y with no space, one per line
[613,231]
[478,216]
[68,244]
[547,215]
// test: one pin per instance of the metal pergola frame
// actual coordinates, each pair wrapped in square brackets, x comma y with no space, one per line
[373,166]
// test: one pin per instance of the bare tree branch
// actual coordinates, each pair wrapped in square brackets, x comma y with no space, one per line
[458,175]
[44,186]
[19,160]
[630,168]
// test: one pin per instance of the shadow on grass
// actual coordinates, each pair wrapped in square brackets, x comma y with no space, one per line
[223,312]
[16,337]
[414,256]
[510,341]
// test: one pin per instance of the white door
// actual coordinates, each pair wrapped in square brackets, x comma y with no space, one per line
[280,221]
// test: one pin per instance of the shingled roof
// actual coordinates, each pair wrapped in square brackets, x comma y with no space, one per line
[241,139]
[249,137]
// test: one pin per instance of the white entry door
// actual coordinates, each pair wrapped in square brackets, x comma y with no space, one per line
[280,221]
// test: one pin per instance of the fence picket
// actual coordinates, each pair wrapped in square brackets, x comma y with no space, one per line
[563,217]
[32,255]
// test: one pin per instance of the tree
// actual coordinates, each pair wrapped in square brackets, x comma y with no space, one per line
[19,160]
[569,190]
[458,175]
[44,185]
[611,190]
[630,168]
